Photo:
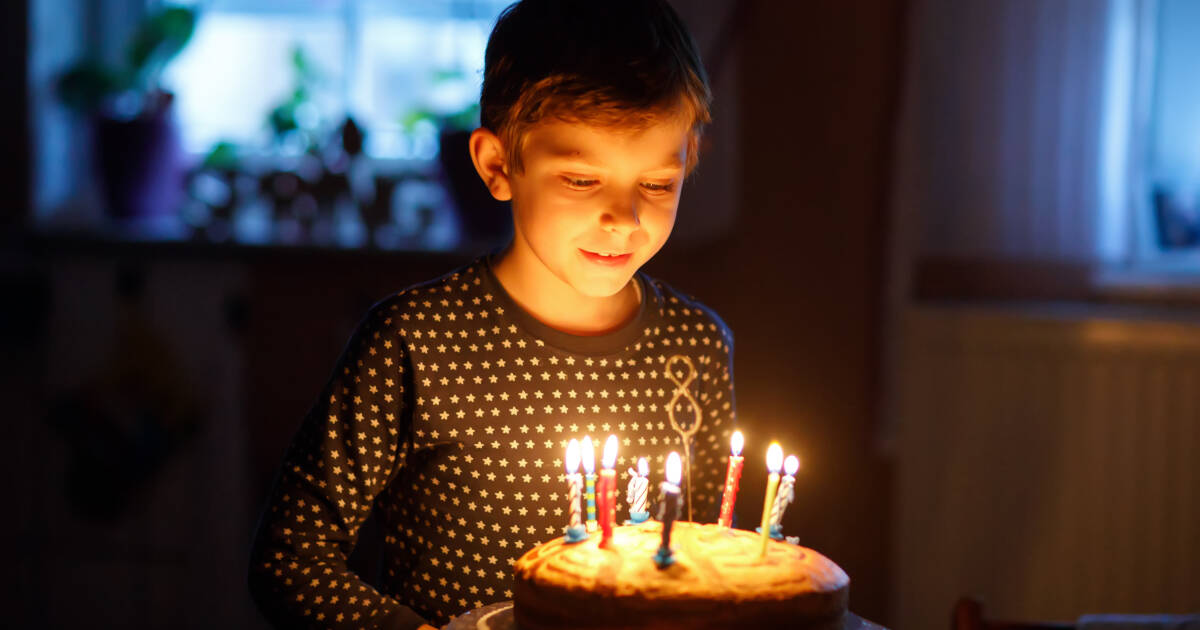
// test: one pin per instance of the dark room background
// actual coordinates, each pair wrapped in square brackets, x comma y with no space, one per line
[980,220]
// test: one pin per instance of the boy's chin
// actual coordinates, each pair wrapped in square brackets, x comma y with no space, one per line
[601,287]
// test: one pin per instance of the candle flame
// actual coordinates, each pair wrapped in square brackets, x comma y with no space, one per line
[572,456]
[643,467]
[674,468]
[736,443]
[791,464]
[589,456]
[774,457]
[610,452]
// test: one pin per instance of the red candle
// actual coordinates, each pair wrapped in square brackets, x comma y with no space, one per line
[731,480]
[607,492]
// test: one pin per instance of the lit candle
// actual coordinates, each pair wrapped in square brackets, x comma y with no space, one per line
[731,480]
[668,509]
[589,467]
[576,532]
[607,491]
[636,493]
[785,496]
[774,462]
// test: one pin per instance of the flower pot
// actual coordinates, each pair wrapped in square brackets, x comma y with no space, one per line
[140,164]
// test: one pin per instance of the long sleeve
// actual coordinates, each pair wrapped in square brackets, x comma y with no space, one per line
[720,419]
[346,451]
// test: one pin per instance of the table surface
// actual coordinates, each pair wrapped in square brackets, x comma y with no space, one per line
[499,616]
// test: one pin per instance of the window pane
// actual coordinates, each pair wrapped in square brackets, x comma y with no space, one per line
[393,65]
[408,67]
[1177,101]
[238,67]
[1175,136]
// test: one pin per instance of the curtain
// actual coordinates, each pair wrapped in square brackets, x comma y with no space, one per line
[1017,136]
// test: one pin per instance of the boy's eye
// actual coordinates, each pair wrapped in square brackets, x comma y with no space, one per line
[659,188]
[584,183]
[579,183]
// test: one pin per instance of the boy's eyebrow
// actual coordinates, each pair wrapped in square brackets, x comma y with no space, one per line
[566,153]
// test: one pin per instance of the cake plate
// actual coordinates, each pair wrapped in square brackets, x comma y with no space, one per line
[499,616]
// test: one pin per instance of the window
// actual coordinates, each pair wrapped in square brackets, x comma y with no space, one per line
[392,65]
[265,90]
[277,79]
[1172,237]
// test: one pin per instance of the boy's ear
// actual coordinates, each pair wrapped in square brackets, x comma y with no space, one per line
[489,156]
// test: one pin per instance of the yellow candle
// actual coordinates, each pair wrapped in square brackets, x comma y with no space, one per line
[774,463]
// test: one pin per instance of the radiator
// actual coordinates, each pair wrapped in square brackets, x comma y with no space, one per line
[1048,463]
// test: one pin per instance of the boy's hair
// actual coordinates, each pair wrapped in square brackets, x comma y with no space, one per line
[614,63]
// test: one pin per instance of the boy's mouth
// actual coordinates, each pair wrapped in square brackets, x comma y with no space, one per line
[609,259]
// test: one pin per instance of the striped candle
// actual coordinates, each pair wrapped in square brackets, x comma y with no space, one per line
[786,493]
[589,467]
[732,475]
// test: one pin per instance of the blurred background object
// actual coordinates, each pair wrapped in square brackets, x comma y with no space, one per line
[137,140]
[332,106]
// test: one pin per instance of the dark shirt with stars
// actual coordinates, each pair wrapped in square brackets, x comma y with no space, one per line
[447,416]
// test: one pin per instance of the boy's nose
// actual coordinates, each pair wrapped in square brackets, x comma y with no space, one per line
[621,215]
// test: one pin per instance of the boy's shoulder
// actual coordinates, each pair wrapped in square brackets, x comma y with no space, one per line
[684,309]
[456,290]
[461,286]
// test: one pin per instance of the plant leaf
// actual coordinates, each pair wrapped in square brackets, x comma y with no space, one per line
[87,84]
[223,156]
[160,37]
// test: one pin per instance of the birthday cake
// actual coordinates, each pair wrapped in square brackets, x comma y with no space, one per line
[717,580]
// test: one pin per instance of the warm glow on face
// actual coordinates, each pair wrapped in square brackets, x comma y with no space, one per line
[736,443]
[774,457]
[643,467]
[589,456]
[674,468]
[610,452]
[572,456]
[588,189]
[791,465]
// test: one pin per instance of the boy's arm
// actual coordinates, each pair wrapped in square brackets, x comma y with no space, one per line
[720,420]
[345,452]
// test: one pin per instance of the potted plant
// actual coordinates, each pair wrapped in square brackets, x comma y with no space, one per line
[137,146]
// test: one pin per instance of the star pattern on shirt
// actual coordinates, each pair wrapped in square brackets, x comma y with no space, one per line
[448,419]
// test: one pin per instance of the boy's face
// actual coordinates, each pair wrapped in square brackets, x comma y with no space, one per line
[593,204]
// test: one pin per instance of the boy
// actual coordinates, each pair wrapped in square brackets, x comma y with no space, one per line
[448,413]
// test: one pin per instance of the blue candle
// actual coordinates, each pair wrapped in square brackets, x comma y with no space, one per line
[668,509]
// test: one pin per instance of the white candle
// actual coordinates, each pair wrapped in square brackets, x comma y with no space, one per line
[786,493]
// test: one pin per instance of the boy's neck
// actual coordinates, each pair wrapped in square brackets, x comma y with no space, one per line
[558,305]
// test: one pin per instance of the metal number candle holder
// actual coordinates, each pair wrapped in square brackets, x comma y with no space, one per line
[683,390]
